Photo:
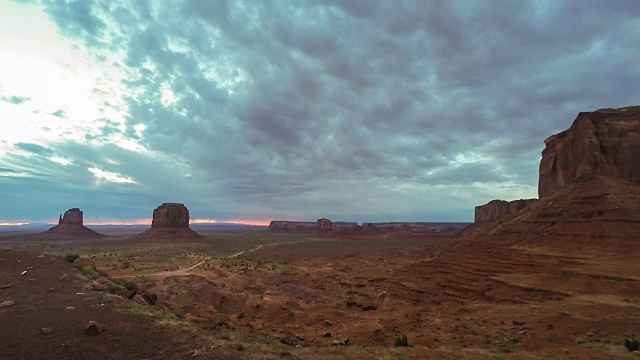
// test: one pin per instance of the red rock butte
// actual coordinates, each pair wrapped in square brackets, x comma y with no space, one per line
[71,225]
[170,221]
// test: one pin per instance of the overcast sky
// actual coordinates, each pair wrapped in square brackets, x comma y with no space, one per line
[352,110]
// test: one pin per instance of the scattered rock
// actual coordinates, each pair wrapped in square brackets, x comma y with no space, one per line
[336,343]
[517,323]
[45,331]
[81,262]
[6,286]
[328,323]
[369,307]
[327,334]
[300,337]
[7,303]
[41,256]
[63,277]
[30,268]
[95,286]
[140,300]
[149,297]
[241,315]
[52,289]
[69,308]
[94,329]
[288,338]
[129,294]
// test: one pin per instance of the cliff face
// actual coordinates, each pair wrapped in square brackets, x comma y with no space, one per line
[71,225]
[170,215]
[604,142]
[71,216]
[497,209]
[170,221]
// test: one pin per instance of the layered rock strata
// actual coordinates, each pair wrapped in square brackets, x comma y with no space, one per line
[497,209]
[71,225]
[605,142]
[324,225]
[170,221]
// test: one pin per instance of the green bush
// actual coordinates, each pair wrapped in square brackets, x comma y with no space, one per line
[631,344]
[130,286]
[90,271]
[240,347]
[401,341]
[71,257]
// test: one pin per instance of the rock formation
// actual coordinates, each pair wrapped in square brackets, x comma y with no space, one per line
[589,186]
[497,209]
[326,225]
[71,216]
[604,142]
[71,225]
[170,215]
[170,221]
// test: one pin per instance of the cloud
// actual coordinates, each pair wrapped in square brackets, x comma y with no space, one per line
[383,111]
[17,100]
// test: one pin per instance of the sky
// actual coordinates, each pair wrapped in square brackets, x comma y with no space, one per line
[252,111]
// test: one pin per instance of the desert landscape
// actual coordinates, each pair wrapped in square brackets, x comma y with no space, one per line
[554,277]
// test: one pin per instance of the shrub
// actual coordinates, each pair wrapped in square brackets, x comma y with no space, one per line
[71,257]
[90,271]
[401,341]
[240,347]
[130,286]
[631,344]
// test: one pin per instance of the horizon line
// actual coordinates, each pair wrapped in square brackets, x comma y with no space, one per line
[147,222]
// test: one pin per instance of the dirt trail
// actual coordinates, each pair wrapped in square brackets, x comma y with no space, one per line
[186,270]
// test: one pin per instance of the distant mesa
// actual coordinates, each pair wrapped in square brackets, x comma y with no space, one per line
[170,221]
[71,225]
[327,226]
[497,209]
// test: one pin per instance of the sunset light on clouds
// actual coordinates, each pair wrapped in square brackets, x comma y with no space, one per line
[351,110]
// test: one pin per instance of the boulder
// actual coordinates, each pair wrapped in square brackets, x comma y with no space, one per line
[497,209]
[94,329]
[81,262]
[605,142]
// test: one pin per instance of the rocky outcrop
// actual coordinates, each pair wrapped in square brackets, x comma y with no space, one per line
[170,215]
[71,216]
[70,225]
[170,221]
[497,209]
[605,142]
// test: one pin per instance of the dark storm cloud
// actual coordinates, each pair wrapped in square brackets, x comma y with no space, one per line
[33,148]
[358,108]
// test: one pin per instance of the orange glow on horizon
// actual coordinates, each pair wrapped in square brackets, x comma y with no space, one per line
[244,222]
[147,222]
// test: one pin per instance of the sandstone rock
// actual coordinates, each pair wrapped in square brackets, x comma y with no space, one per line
[7,303]
[129,294]
[604,142]
[140,300]
[324,225]
[288,338]
[149,297]
[71,216]
[69,308]
[170,215]
[170,221]
[95,286]
[6,286]
[45,331]
[81,262]
[93,329]
[497,209]
[71,225]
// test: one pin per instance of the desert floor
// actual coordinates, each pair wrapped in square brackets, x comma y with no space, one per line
[259,295]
